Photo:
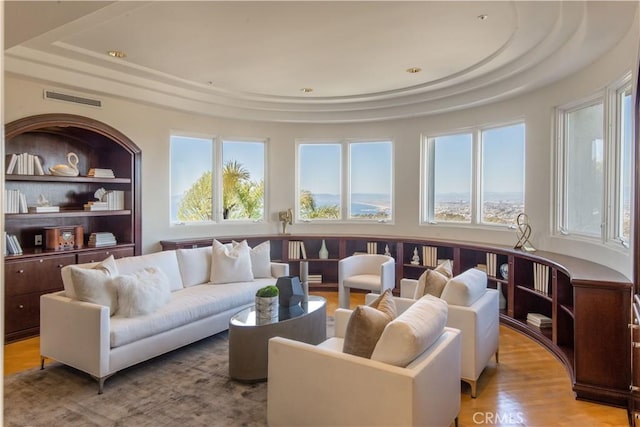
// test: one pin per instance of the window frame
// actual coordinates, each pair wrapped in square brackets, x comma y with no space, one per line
[427,177]
[611,221]
[217,165]
[344,179]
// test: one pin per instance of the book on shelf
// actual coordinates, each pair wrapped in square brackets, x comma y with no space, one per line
[14,202]
[372,247]
[492,261]
[114,199]
[96,206]
[430,256]
[11,160]
[541,278]
[303,250]
[37,163]
[100,239]
[314,278]
[100,173]
[12,244]
[539,320]
[43,209]
[294,249]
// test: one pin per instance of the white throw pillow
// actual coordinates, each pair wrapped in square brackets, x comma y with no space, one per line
[231,265]
[94,284]
[465,288]
[411,333]
[195,265]
[261,260]
[142,292]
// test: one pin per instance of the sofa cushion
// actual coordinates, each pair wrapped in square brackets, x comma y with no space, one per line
[195,265]
[231,265]
[465,288]
[95,285]
[186,306]
[261,260]
[108,264]
[366,324]
[412,332]
[142,292]
[167,261]
[431,282]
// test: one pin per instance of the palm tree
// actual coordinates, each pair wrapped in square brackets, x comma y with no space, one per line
[309,210]
[233,174]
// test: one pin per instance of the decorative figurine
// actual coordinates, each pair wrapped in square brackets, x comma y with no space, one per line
[286,217]
[524,233]
[415,260]
[387,252]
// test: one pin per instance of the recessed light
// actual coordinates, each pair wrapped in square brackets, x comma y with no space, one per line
[414,70]
[306,90]
[116,53]
[482,17]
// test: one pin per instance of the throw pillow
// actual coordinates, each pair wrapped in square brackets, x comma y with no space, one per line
[412,332]
[261,260]
[431,282]
[142,292]
[363,330]
[445,268]
[231,265]
[94,284]
[195,265]
[367,323]
[386,304]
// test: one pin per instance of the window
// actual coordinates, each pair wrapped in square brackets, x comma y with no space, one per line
[243,180]
[594,166]
[370,165]
[191,179]
[451,164]
[502,174]
[367,193]
[454,190]
[211,182]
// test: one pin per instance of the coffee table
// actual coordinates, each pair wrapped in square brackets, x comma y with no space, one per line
[249,342]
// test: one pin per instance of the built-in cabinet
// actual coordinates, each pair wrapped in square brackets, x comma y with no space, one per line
[589,304]
[51,137]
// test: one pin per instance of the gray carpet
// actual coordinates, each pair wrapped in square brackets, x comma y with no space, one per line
[187,387]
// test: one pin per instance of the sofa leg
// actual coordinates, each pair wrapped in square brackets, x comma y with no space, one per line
[42,359]
[455,422]
[497,356]
[101,381]
[473,385]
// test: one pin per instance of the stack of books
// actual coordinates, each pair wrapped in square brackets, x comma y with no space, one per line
[14,202]
[43,209]
[297,250]
[96,206]
[314,278]
[541,278]
[97,240]
[430,256]
[114,200]
[538,320]
[101,173]
[12,245]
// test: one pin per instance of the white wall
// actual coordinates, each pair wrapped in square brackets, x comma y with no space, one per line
[149,127]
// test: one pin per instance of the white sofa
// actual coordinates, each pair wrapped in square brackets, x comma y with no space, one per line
[320,385]
[84,335]
[475,312]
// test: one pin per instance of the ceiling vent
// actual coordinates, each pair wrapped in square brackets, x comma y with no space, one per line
[65,97]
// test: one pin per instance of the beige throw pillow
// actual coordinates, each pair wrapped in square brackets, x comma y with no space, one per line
[94,284]
[231,265]
[431,282]
[142,292]
[445,268]
[367,323]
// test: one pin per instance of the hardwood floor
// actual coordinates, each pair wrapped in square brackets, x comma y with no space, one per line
[529,387]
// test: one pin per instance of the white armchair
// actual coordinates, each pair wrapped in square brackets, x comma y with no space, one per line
[372,272]
[320,385]
[476,314]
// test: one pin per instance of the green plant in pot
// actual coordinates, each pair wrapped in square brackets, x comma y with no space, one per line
[267,304]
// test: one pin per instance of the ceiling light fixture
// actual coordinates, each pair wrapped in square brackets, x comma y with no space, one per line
[482,17]
[306,90]
[414,70]
[116,53]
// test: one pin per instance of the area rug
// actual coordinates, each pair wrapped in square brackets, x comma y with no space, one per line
[186,387]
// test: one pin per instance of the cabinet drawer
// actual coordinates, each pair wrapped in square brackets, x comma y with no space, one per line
[35,275]
[21,312]
[99,255]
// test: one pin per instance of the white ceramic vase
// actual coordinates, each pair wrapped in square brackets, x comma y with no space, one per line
[324,253]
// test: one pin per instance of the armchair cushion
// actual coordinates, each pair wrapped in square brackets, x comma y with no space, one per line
[411,333]
[465,288]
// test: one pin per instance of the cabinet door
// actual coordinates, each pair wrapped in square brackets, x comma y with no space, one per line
[22,312]
[35,275]
[99,255]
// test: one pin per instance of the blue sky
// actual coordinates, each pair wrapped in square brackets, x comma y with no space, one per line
[370,171]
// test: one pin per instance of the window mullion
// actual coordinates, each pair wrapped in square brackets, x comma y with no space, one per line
[476,181]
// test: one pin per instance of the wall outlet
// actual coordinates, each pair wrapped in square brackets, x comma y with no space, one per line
[38,240]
